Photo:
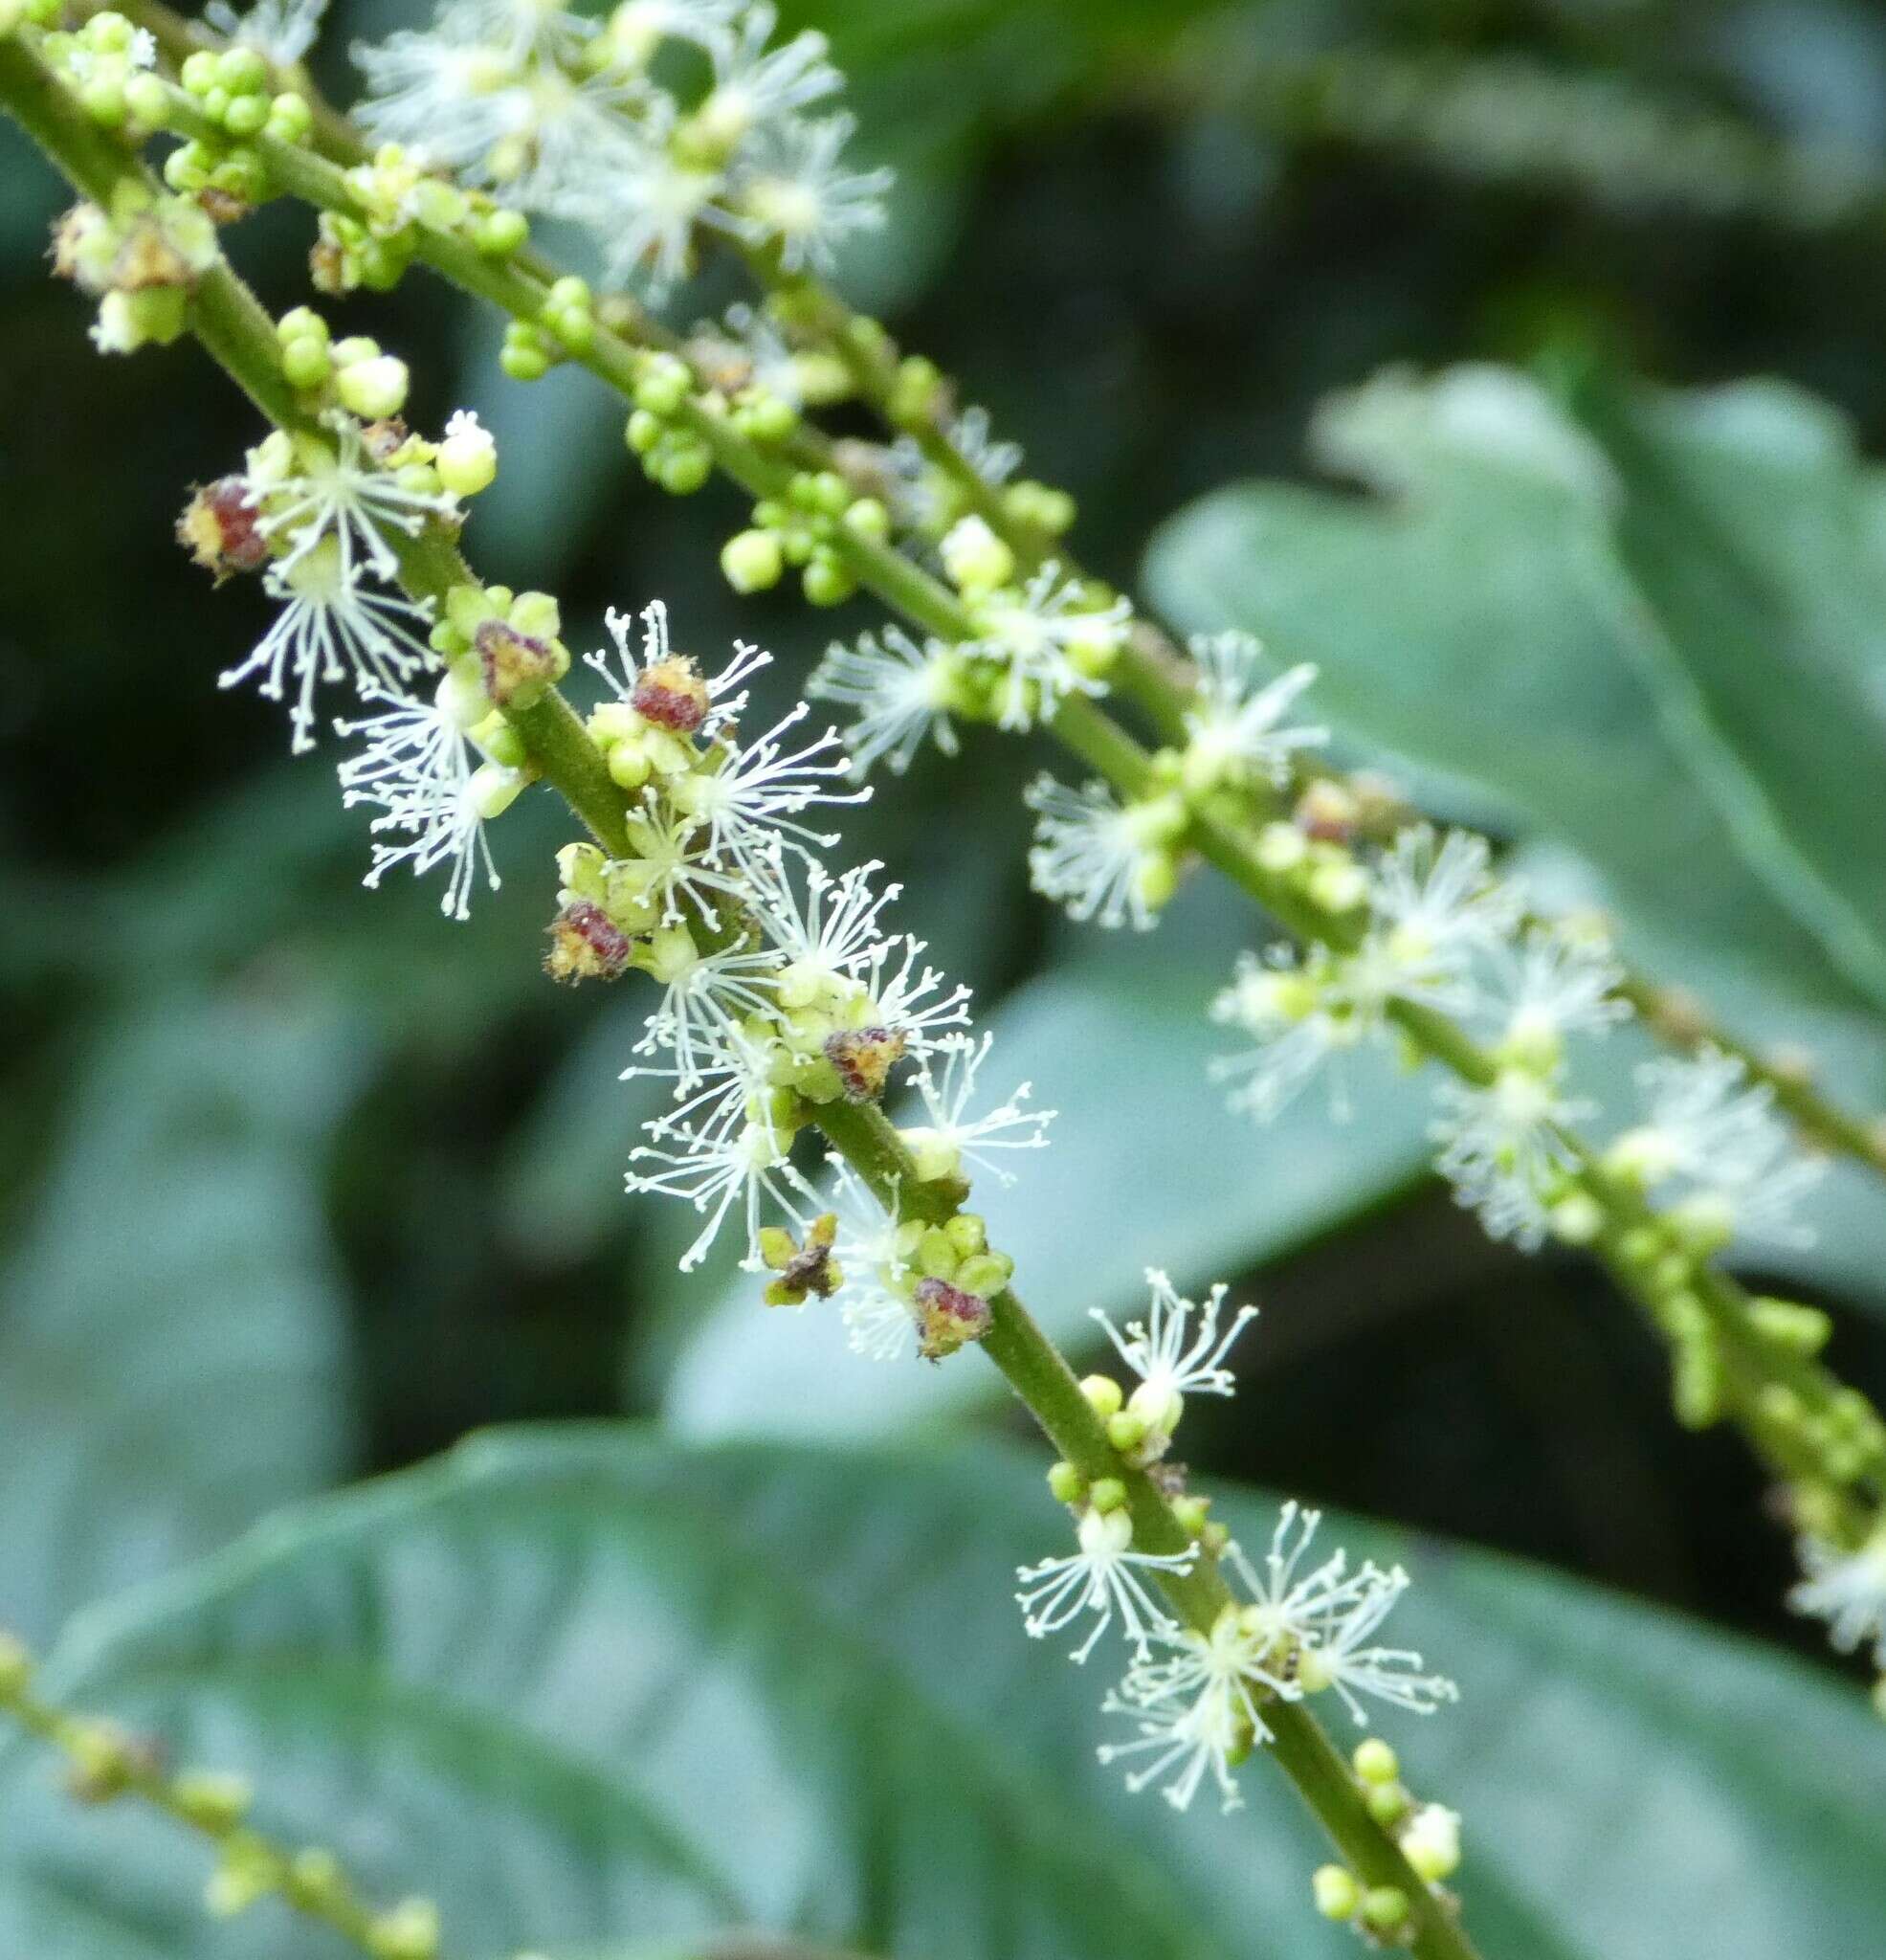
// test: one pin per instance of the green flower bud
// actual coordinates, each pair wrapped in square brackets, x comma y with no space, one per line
[1109,1494]
[1384,1907]
[213,1800]
[826,579]
[1126,1431]
[373,389]
[1104,1396]
[1335,1891]
[1066,1483]
[1375,1762]
[751,561]
[500,234]
[663,384]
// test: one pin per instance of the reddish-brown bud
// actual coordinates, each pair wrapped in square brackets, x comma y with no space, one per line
[864,1058]
[807,1268]
[219,529]
[948,1317]
[586,944]
[517,669]
[672,695]
[1327,811]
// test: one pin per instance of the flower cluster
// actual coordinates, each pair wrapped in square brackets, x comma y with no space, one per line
[1295,1627]
[782,993]
[648,126]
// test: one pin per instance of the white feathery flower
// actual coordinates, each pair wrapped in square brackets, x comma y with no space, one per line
[830,938]
[1287,1607]
[921,1003]
[564,133]
[308,493]
[1710,1139]
[645,201]
[971,436]
[1550,985]
[1300,1012]
[757,86]
[1503,1149]
[330,628]
[621,679]
[1101,859]
[1197,1708]
[1102,1578]
[420,771]
[1171,1360]
[1040,634]
[1336,1656]
[1235,728]
[878,1322]
[448,100]
[1848,1590]
[727,1161]
[952,1137]
[903,693]
[281,30]
[523,28]
[1437,905]
[666,869]
[705,995]
[637,27]
[748,805]
[796,189]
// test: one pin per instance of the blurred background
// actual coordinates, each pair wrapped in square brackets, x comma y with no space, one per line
[267,1141]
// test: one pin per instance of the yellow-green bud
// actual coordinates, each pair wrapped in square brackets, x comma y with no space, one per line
[1066,1482]
[373,389]
[1104,1396]
[1335,1891]
[1109,1494]
[1375,1762]
[752,561]
[1384,1907]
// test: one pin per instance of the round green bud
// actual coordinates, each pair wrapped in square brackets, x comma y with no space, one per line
[290,118]
[242,71]
[752,561]
[1375,1762]
[301,324]
[498,233]
[247,116]
[1066,1482]
[523,361]
[373,389]
[1108,1494]
[1384,1908]
[306,362]
[643,431]
[467,461]
[825,580]
[1104,1396]
[1335,1891]
[663,386]
[984,1273]
[1385,1802]
[866,518]
[684,468]
[147,99]
[198,74]
[1126,1431]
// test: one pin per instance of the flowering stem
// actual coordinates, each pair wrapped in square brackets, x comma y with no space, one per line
[106,1764]
[238,334]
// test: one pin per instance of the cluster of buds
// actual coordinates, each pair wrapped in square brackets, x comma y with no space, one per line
[139,258]
[233,91]
[1428,1836]
[805,529]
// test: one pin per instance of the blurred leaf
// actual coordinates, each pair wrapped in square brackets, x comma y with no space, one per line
[581,1684]
[1145,1167]
[1483,621]
[172,1333]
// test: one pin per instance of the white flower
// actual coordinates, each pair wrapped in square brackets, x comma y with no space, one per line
[952,1137]
[1101,1578]
[903,693]
[331,629]
[448,100]
[419,769]
[797,189]
[308,493]
[1287,1608]
[1335,1658]
[830,938]
[994,461]
[643,202]
[1551,984]
[1710,1139]
[1848,1590]
[637,27]
[921,1003]
[756,86]
[725,705]
[1431,1840]
[748,805]
[1300,1013]
[521,28]
[1504,1150]
[1198,1708]
[665,869]
[731,1159]
[877,1317]
[1100,860]
[1170,1365]
[1437,905]
[562,134]
[1236,730]
[705,995]
[282,31]
[1040,634]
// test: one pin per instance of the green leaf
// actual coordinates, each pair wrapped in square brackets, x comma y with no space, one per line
[1482,619]
[589,1688]
[1210,1196]
[172,1329]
